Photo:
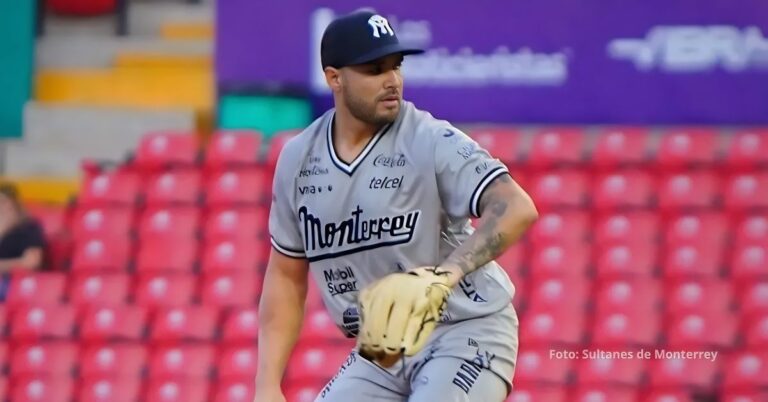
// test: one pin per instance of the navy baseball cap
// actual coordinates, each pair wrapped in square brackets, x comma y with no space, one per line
[359,38]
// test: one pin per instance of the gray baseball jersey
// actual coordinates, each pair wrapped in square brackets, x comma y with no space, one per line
[404,202]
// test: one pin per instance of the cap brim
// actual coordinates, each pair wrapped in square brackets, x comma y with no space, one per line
[385,51]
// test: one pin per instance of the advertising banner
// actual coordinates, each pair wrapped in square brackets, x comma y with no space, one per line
[543,61]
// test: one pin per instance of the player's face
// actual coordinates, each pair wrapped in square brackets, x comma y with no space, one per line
[372,92]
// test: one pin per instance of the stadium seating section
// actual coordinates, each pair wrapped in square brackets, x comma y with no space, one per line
[648,238]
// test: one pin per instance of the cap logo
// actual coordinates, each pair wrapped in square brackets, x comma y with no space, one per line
[380,26]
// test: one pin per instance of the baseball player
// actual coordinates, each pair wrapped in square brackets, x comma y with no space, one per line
[374,201]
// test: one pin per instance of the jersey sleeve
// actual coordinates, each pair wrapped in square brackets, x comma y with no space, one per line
[464,170]
[283,221]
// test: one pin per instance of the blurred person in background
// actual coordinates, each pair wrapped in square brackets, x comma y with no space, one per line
[22,240]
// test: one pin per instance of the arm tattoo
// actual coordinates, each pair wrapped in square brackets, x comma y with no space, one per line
[489,240]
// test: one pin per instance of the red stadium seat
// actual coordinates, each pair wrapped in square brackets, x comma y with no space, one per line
[752,395]
[276,144]
[752,228]
[110,188]
[101,222]
[82,7]
[231,188]
[165,149]
[173,187]
[316,362]
[755,329]
[749,261]
[534,393]
[49,358]
[304,391]
[42,389]
[512,260]
[319,327]
[619,146]
[747,191]
[560,259]
[703,228]
[753,296]
[626,260]
[237,223]
[630,327]
[4,318]
[3,356]
[667,395]
[554,146]
[687,146]
[99,288]
[238,390]
[230,289]
[597,392]
[611,366]
[35,287]
[45,321]
[164,290]
[698,295]
[693,259]
[187,361]
[189,323]
[746,369]
[117,360]
[170,255]
[237,362]
[176,390]
[501,142]
[703,329]
[241,325]
[109,389]
[543,365]
[164,223]
[619,295]
[698,189]
[233,255]
[748,149]
[116,322]
[623,189]
[560,226]
[102,254]
[554,325]
[624,227]
[520,298]
[559,189]
[51,217]
[233,149]
[549,292]
[673,371]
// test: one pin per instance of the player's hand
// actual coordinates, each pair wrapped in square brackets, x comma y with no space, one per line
[269,395]
[399,312]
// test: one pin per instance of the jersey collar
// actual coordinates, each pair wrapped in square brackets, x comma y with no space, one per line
[349,168]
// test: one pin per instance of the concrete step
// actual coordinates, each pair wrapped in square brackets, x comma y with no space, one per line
[58,137]
[145,18]
[73,51]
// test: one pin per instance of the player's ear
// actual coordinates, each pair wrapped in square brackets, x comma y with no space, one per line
[333,78]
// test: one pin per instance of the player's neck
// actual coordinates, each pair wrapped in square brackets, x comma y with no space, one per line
[351,132]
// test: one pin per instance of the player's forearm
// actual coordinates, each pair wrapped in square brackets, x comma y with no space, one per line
[507,212]
[281,312]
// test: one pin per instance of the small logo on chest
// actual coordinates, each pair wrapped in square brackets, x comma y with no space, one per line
[390,161]
[313,170]
[386,182]
[312,189]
